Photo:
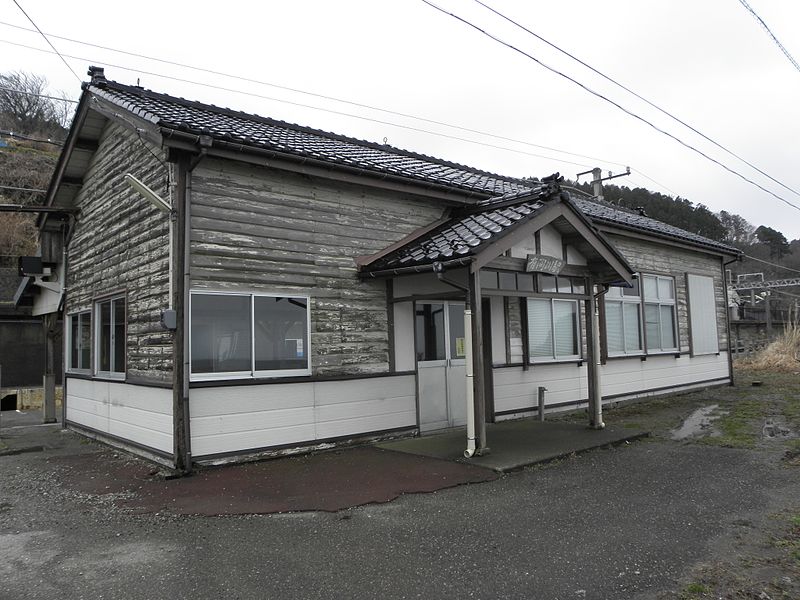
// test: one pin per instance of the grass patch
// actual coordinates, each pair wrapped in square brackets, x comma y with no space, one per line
[740,428]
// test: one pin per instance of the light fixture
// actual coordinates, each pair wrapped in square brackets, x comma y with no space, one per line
[148,194]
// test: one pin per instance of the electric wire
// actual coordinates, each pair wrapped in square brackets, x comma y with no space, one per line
[13,91]
[29,139]
[761,260]
[610,101]
[312,107]
[47,40]
[307,93]
[21,189]
[642,98]
[772,35]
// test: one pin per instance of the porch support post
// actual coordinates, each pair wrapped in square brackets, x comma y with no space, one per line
[182,457]
[50,321]
[477,359]
[593,359]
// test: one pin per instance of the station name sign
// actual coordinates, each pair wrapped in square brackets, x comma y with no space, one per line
[539,263]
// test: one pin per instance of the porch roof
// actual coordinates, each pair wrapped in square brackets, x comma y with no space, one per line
[482,233]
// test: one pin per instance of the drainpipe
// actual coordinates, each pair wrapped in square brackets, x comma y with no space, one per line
[438,268]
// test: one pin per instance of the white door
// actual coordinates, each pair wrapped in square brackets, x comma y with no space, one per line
[440,364]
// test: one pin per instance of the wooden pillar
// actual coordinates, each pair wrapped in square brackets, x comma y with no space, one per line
[593,360]
[50,322]
[477,360]
[180,356]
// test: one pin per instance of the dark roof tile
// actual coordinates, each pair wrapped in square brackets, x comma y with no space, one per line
[252,130]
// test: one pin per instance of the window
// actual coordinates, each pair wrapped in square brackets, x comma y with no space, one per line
[248,335]
[552,329]
[659,313]
[80,341]
[702,314]
[560,284]
[110,337]
[623,320]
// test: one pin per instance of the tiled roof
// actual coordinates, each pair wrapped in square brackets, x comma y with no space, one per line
[260,132]
[603,212]
[465,235]
[249,130]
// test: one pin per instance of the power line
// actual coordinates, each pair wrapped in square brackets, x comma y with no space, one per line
[307,93]
[772,35]
[13,91]
[612,102]
[771,264]
[425,131]
[312,107]
[47,40]
[642,98]
[29,139]
[20,189]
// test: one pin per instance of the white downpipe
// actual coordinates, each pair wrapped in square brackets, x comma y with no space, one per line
[470,392]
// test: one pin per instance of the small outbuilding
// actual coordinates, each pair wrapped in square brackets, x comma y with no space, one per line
[235,285]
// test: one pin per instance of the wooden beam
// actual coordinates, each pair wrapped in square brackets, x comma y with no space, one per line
[477,361]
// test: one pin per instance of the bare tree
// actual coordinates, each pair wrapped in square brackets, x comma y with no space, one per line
[27,107]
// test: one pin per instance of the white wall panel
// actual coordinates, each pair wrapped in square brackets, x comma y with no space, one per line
[247,417]
[516,389]
[404,336]
[138,414]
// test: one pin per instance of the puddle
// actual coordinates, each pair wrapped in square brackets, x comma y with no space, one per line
[775,428]
[698,422]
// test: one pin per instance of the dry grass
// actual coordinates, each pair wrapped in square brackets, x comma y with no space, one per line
[781,356]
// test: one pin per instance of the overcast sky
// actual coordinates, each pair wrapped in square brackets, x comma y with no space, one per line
[708,62]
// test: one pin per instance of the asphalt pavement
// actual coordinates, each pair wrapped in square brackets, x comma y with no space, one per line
[615,523]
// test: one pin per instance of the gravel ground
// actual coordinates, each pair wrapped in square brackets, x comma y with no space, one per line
[654,519]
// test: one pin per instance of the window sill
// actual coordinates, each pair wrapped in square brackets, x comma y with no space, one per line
[118,377]
[638,355]
[558,361]
[249,377]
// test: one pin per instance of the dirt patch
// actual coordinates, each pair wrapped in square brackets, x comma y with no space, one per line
[329,481]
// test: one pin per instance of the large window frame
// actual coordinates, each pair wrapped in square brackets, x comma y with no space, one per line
[628,301]
[554,355]
[79,344]
[252,372]
[110,337]
[659,294]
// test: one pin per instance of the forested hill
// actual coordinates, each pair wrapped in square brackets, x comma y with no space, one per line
[678,211]
[759,244]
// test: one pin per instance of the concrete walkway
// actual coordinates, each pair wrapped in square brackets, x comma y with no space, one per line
[517,444]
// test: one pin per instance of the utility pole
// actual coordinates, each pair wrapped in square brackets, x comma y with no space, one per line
[598,179]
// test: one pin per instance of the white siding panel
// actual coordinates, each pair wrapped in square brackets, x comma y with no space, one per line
[404,336]
[258,421]
[498,330]
[551,242]
[247,399]
[632,376]
[240,418]
[358,390]
[366,424]
[138,414]
[515,389]
[245,440]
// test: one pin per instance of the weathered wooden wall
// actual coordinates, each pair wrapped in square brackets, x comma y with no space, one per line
[258,229]
[121,243]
